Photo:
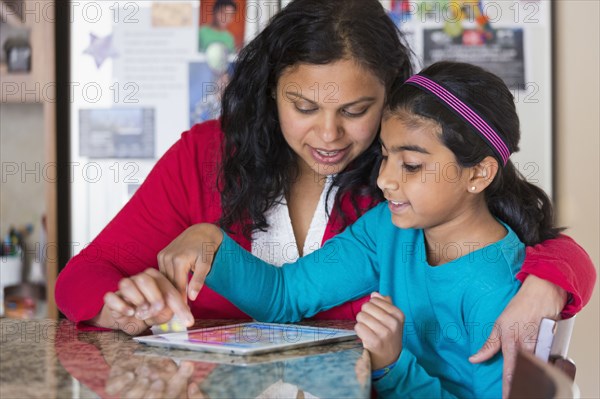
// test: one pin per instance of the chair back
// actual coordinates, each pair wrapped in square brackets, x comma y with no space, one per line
[553,344]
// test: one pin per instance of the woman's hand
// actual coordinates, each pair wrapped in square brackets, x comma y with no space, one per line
[143,300]
[110,317]
[379,326]
[517,327]
[193,250]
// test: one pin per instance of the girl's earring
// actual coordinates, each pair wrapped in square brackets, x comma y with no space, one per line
[473,188]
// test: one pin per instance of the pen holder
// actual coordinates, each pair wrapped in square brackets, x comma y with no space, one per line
[11,270]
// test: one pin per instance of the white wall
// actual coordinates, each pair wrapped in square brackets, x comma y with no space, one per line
[577,96]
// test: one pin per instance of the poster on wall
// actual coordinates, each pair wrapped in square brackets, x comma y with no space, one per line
[116,133]
[173,14]
[221,26]
[221,22]
[498,50]
[484,33]
[207,80]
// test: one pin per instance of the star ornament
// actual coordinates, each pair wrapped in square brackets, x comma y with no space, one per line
[101,49]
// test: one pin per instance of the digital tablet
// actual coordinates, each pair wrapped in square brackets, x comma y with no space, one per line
[249,338]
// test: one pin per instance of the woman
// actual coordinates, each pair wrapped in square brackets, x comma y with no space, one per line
[289,166]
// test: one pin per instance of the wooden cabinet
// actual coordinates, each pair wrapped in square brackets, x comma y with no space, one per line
[37,86]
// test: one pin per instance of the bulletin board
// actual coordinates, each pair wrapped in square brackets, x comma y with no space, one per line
[143,72]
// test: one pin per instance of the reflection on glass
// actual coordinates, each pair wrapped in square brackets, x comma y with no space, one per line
[111,364]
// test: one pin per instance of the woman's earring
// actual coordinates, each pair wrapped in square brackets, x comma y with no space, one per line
[473,188]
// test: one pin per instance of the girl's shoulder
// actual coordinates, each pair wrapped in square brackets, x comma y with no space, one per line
[492,269]
[512,249]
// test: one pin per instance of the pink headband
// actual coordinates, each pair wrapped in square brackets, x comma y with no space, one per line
[465,112]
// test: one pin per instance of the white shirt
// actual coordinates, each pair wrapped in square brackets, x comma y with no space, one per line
[278,245]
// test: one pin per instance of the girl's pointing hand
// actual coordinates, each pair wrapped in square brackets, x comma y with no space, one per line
[193,250]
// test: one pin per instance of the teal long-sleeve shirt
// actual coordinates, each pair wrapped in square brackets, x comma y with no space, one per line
[449,309]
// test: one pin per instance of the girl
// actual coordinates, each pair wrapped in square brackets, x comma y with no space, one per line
[445,266]
[287,168]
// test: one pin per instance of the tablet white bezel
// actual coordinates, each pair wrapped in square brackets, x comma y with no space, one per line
[311,336]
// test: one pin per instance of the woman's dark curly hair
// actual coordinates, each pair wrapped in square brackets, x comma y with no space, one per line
[257,163]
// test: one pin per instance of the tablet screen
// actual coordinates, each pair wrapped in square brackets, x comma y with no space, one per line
[249,338]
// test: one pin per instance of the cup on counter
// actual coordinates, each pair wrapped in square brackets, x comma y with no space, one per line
[23,301]
[11,270]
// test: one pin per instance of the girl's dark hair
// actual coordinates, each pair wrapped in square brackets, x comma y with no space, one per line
[257,163]
[520,204]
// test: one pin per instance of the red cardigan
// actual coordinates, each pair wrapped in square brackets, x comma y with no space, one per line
[181,191]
